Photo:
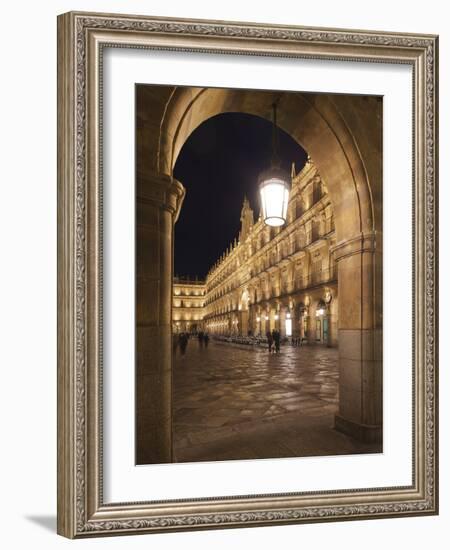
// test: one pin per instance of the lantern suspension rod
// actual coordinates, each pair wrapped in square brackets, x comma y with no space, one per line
[275,142]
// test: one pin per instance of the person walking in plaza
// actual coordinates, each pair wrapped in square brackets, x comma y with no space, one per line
[206,339]
[183,342]
[201,337]
[277,340]
[175,342]
[269,340]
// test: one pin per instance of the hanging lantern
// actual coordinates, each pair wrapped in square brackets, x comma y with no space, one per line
[274,185]
[274,192]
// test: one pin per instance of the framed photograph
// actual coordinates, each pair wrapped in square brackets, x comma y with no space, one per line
[247,284]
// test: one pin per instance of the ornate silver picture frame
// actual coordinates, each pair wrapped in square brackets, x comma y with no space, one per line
[83,510]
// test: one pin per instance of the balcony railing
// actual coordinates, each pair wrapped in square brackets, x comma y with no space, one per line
[187,304]
[315,278]
[178,279]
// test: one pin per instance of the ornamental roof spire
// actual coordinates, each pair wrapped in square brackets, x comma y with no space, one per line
[293,170]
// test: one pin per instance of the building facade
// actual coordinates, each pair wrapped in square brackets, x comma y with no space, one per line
[282,278]
[188,307]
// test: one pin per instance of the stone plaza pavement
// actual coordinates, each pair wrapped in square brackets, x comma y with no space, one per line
[235,402]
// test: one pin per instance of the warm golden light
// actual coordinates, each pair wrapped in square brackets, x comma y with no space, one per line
[274,193]
[288,327]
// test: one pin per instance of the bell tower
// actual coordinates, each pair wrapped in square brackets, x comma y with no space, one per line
[247,220]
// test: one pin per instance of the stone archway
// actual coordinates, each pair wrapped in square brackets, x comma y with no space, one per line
[334,133]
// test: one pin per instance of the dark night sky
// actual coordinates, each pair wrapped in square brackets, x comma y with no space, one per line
[218,165]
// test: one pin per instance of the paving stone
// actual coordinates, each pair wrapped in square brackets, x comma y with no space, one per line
[235,403]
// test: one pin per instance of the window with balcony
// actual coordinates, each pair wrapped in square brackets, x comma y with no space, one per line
[317,191]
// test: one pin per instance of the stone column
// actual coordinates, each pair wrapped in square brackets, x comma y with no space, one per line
[360,338]
[282,321]
[264,322]
[158,201]
[333,321]
[300,322]
[311,324]
[295,316]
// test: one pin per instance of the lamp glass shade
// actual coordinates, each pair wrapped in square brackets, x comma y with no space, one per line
[274,193]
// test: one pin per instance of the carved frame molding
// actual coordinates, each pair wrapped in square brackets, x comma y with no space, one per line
[81,37]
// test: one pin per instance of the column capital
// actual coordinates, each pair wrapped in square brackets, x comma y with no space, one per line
[364,242]
[162,190]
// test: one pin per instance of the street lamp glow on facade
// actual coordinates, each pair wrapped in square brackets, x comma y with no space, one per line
[274,185]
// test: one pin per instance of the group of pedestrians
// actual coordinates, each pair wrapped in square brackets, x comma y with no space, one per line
[181,340]
[203,338]
[273,341]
